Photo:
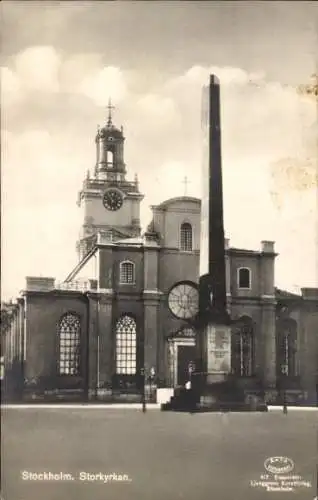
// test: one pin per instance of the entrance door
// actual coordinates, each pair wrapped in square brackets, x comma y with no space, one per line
[186,355]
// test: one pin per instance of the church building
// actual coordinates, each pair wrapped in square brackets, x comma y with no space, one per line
[128,309]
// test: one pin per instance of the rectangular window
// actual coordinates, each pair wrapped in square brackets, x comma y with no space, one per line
[127,273]
[186,237]
[244,278]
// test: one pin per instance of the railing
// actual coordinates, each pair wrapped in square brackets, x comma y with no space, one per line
[101,182]
[81,286]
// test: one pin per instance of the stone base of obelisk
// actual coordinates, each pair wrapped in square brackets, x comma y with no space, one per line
[222,392]
[221,395]
[213,387]
[218,389]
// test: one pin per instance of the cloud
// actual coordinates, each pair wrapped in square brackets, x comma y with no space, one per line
[42,69]
[228,76]
[157,106]
[75,69]
[34,70]
[36,170]
[10,85]
[108,82]
[38,68]
[259,118]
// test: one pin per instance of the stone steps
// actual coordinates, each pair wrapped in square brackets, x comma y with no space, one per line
[214,400]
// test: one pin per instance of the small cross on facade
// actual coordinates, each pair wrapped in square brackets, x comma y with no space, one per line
[110,107]
[186,182]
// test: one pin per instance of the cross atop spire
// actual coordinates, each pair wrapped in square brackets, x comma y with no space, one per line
[110,108]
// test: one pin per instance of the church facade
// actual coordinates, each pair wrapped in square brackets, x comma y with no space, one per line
[126,313]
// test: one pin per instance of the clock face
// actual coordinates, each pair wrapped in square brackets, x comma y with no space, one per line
[112,200]
[183,300]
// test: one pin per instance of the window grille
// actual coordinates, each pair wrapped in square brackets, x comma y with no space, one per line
[127,274]
[243,350]
[126,340]
[287,349]
[186,237]
[69,331]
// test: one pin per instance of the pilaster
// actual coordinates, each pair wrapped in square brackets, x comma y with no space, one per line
[105,268]
[105,347]
[267,281]
[93,323]
[151,297]
[308,331]
[151,300]
[268,335]
[228,276]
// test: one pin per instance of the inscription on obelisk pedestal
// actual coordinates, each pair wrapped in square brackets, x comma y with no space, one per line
[218,349]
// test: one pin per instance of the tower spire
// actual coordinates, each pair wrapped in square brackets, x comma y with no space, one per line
[110,107]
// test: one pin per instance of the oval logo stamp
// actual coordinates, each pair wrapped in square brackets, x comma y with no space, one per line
[280,476]
[279,465]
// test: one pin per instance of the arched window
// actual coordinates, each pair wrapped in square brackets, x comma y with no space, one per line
[286,348]
[244,277]
[109,158]
[69,333]
[186,237]
[127,273]
[126,340]
[242,348]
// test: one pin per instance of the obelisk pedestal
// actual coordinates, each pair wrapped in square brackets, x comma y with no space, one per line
[214,337]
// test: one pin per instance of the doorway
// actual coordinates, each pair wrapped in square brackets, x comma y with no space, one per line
[186,356]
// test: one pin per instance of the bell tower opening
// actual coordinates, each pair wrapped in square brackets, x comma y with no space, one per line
[110,157]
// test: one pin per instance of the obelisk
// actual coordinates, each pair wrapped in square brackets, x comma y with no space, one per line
[214,336]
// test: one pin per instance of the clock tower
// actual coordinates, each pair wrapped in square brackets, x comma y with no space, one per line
[110,204]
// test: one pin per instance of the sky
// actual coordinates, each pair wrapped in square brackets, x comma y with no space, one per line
[61,61]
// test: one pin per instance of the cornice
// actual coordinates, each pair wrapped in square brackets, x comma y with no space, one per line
[137,196]
[176,250]
[152,295]
[268,300]
[253,300]
[106,291]
[55,292]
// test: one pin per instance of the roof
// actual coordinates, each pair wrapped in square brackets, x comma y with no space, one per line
[166,203]
[110,131]
[131,241]
[284,294]
[243,250]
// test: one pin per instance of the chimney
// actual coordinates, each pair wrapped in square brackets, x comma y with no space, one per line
[39,284]
[309,293]
[268,247]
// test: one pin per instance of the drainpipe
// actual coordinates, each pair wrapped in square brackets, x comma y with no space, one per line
[97,364]
[86,373]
